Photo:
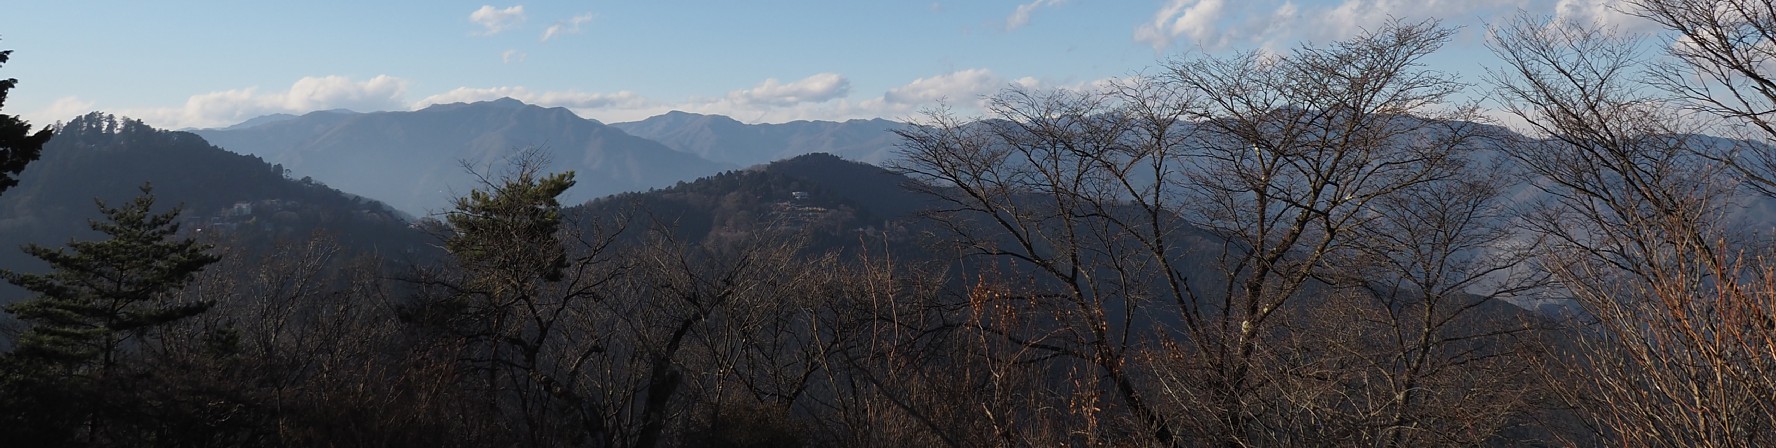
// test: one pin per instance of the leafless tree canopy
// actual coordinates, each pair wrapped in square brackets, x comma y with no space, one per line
[1256,250]
[1676,348]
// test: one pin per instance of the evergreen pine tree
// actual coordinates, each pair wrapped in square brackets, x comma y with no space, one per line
[509,233]
[101,294]
[18,145]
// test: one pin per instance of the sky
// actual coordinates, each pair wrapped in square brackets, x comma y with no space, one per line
[185,64]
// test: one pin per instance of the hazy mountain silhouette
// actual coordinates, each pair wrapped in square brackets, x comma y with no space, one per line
[414,160]
[724,139]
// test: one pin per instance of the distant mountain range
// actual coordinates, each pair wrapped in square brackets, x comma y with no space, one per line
[724,139]
[285,184]
[415,160]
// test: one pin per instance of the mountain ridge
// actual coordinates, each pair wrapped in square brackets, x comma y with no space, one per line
[725,139]
[415,160]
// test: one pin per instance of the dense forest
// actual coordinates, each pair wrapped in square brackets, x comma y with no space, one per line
[1330,246]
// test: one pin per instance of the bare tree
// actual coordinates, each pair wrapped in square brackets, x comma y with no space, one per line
[1677,348]
[1430,353]
[303,347]
[522,274]
[1181,226]
[1720,56]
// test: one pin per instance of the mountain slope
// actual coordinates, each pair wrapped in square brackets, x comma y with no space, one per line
[232,196]
[414,160]
[832,199]
[724,139]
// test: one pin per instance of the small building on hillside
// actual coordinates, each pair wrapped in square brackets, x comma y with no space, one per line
[242,208]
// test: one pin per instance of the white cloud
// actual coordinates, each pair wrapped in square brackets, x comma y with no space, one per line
[510,56]
[327,92]
[1021,16]
[1353,16]
[821,96]
[622,99]
[569,26]
[493,21]
[964,85]
[60,110]
[572,99]
[1214,25]
[813,89]
[1095,85]
[305,95]
[1193,18]
[1602,12]
[816,97]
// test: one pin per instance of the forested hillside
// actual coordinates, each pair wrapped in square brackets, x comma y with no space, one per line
[1323,246]
[223,194]
[836,203]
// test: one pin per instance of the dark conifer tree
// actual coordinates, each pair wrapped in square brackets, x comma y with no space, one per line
[512,230]
[18,145]
[102,294]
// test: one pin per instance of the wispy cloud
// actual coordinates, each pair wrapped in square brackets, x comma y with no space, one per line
[1215,25]
[1021,16]
[495,20]
[1605,12]
[572,99]
[813,89]
[963,85]
[510,56]
[569,26]
[822,96]
[61,109]
[305,95]
[1193,18]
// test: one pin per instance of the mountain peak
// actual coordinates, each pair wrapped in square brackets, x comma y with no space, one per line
[505,101]
[410,159]
[502,103]
[679,116]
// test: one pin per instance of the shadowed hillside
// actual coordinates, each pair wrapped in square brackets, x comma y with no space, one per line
[224,195]
[835,200]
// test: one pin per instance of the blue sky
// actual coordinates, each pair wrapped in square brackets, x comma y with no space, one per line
[201,64]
